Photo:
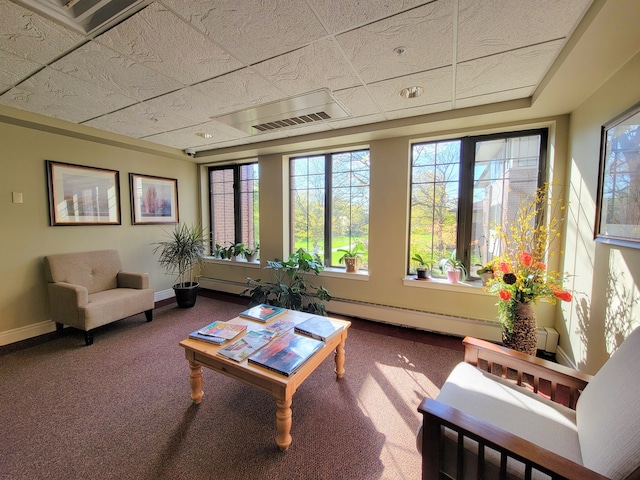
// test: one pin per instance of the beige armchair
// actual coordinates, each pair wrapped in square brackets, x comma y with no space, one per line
[89,289]
[484,425]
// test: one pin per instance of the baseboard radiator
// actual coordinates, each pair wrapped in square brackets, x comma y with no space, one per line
[405,317]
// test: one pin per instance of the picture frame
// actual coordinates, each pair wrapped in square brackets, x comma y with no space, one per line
[618,195]
[82,195]
[154,200]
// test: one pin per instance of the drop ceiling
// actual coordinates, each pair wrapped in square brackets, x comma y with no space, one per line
[178,72]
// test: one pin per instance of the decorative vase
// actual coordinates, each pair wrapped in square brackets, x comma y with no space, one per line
[453,275]
[524,335]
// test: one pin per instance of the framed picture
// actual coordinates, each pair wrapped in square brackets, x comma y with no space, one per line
[81,195]
[618,202]
[154,200]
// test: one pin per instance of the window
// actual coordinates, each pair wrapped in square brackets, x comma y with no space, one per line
[462,190]
[329,201]
[233,203]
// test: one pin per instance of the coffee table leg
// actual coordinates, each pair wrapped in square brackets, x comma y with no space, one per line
[340,359]
[283,424]
[195,379]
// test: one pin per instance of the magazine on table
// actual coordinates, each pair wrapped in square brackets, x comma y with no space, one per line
[286,353]
[263,312]
[223,330]
[247,345]
[280,325]
[321,328]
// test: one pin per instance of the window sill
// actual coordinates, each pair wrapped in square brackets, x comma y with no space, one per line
[236,263]
[362,275]
[435,283]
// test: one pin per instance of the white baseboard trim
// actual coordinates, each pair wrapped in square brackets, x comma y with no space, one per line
[563,359]
[24,333]
[48,326]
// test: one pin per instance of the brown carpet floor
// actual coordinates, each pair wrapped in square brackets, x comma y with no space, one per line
[120,409]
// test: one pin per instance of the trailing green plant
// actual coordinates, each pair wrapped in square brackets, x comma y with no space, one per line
[355,251]
[181,252]
[288,287]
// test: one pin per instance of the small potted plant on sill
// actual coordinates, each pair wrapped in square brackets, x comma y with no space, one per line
[454,268]
[425,265]
[352,257]
[251,254]
[485,272]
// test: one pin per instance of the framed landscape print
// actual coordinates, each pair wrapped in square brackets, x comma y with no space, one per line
[80,195]
[618,203]
[154,200]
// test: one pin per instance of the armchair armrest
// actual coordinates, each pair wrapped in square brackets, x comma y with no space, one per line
[133,280]
[437,415]
[479,352]
[68,294]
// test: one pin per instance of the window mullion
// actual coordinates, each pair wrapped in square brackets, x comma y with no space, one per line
[328,182]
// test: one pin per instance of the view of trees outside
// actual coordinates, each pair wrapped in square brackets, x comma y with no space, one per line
[505,172]
[347,189]
[620,215]
[226,202]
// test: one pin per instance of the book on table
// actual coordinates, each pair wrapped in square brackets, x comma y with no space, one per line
[218,332]
[321,328]
[280,325]
[247,345]
[286,353]
[263,312]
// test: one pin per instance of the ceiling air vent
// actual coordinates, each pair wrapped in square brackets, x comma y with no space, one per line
[309,108]
[85,16]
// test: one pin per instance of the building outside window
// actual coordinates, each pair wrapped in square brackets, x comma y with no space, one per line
[233,205]
[329,201]
[463,190]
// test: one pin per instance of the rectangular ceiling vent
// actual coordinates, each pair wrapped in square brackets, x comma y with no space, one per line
[85,16]
[296,111]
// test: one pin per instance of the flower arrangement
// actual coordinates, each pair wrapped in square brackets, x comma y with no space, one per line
[520,275]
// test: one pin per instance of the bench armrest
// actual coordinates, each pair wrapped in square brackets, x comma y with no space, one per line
[437,415]
[133,280]
[487,356]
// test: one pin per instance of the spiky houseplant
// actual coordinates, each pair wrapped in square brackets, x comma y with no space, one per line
[183,250]
[289,288]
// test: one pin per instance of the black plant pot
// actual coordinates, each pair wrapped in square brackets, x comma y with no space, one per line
[423,273]
[186,294]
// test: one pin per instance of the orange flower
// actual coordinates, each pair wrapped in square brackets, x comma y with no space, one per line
[504,268]
[540,266]
[562,295]
[505,295]
[526,258]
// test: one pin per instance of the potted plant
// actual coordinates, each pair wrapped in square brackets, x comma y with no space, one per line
[251,254]
[179,254]
[289,288]
[454,268]
[352,256]
[424,266]
[485,272]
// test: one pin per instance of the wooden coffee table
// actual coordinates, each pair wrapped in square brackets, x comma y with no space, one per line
[202,354]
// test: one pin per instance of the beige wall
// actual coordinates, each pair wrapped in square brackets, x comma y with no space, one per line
[607,298]
[26,234]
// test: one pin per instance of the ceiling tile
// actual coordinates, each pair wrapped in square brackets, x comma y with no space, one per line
[30,36]
[357,101]
[505,71]
[317,66]
[437,86]
[138,120]
[188,137]
[339,16]
[62,96]
[101,66]
[486,28]
[13,69]
[237,91]
[253,30]
[188,103]
[426,33]
[186,55]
